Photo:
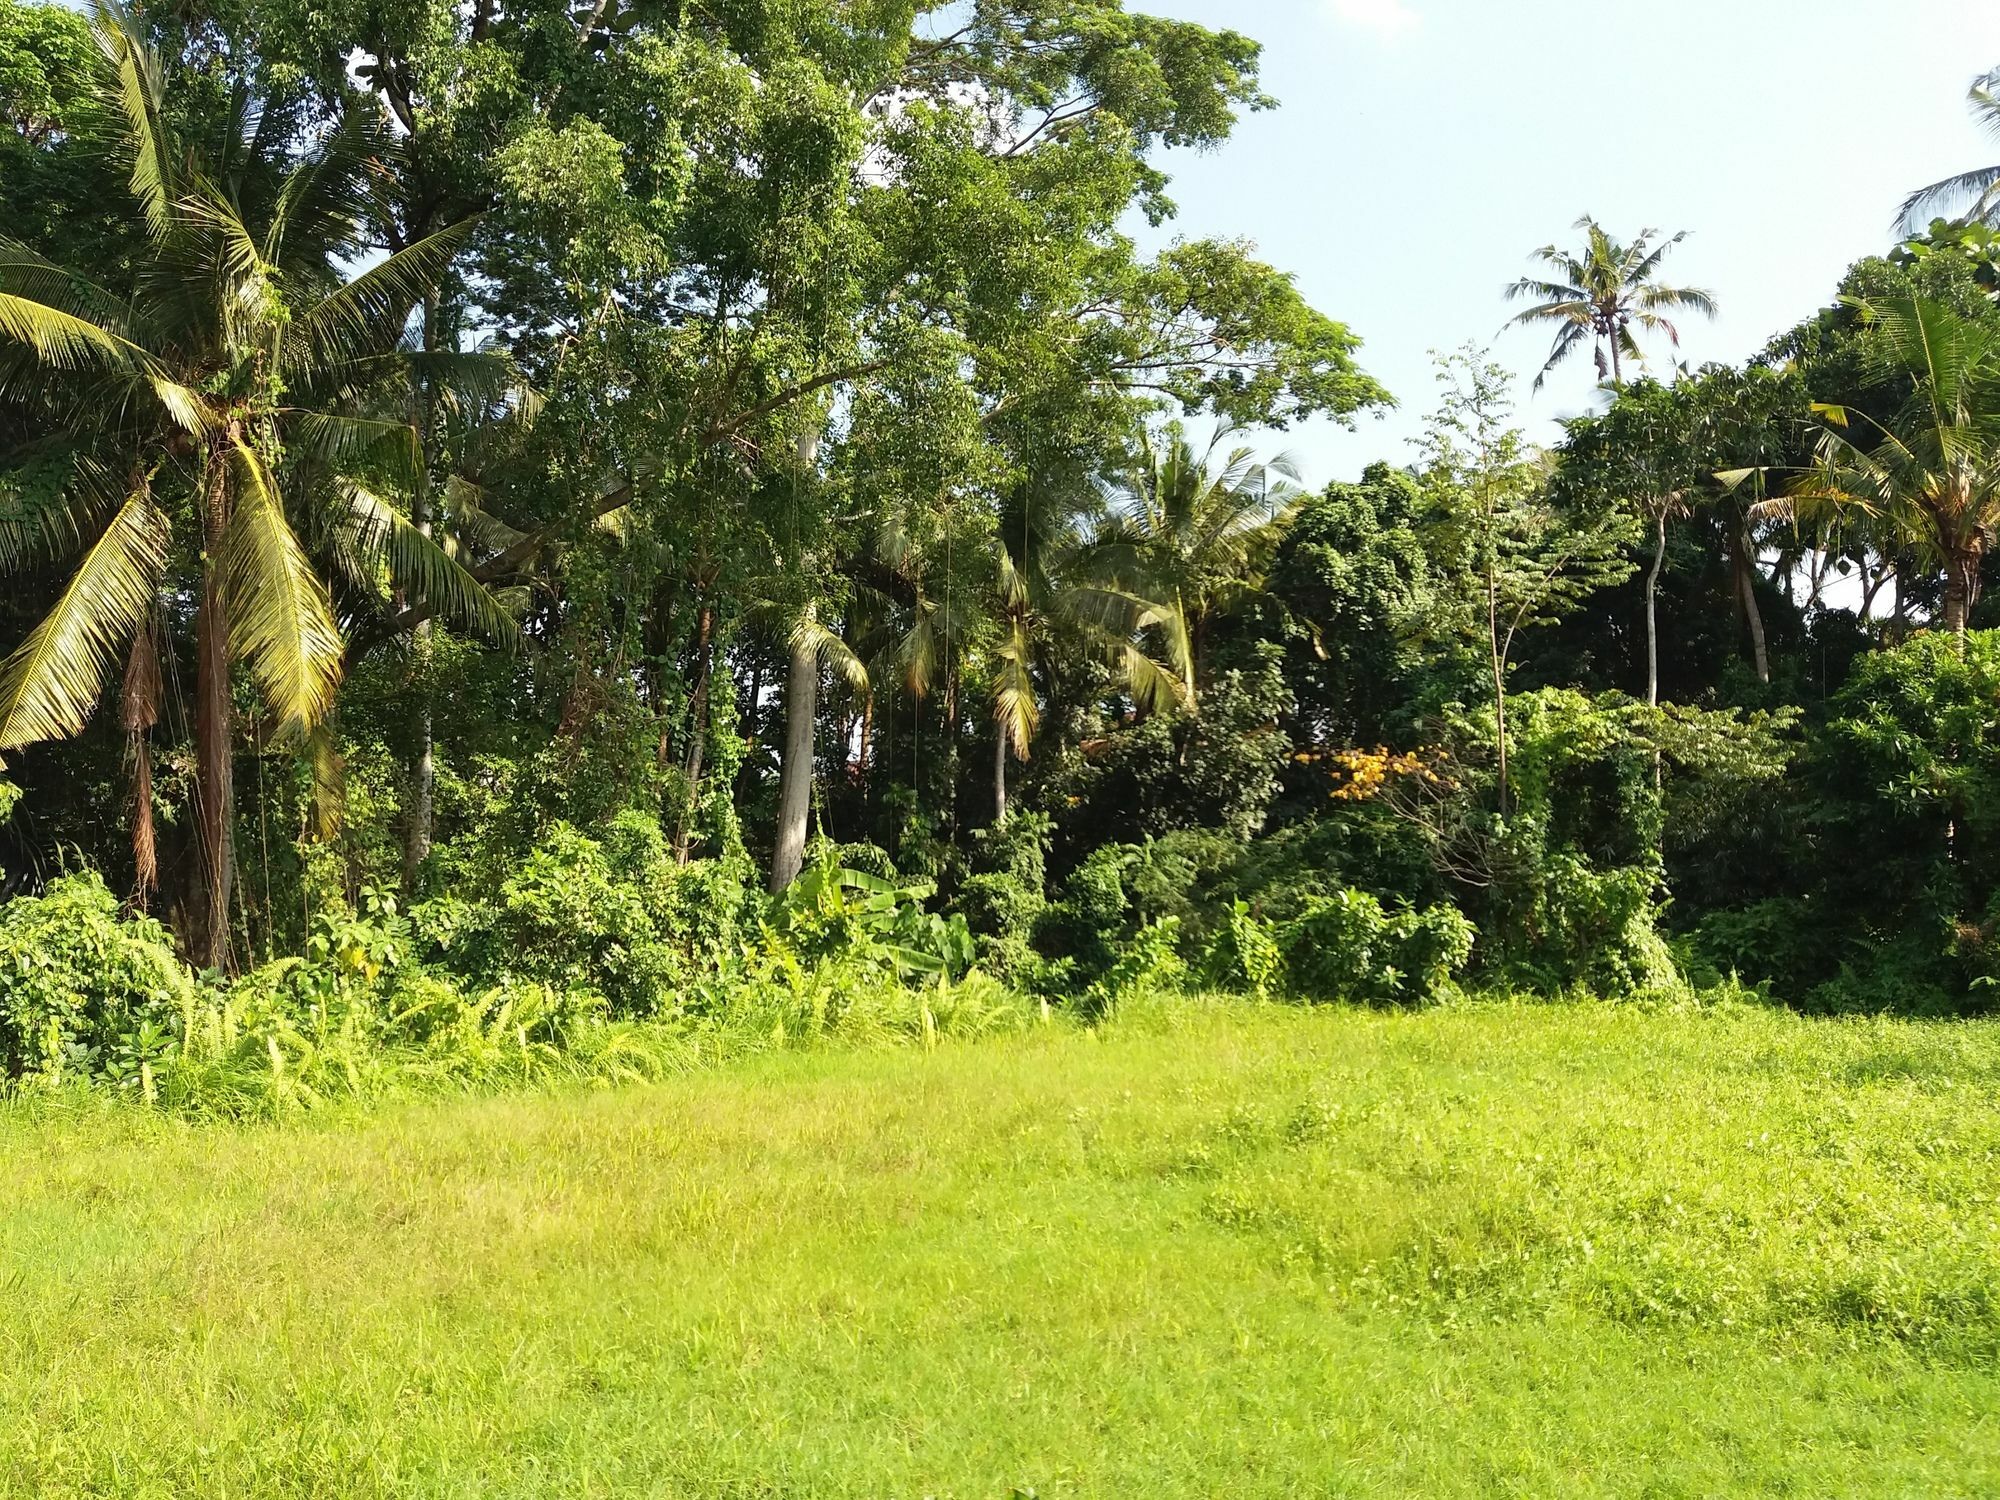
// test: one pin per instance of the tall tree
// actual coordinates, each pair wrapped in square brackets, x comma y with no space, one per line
[239,348]
[1188,531]
[1527,559]
[1703,445]
[1931,472]
[1973,195]
[1600,294]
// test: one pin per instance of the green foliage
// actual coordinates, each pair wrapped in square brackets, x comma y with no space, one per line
[713,320]
[1150,963]
[1083,927]
[1362,580]
[85,991]
[619,917]
[833,912]
[1348,947]
[1578,884]
[1907,768]
[1002,904]
[1244,956]
[1218,769]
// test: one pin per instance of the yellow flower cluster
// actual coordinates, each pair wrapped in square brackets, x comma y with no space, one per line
[1363,774]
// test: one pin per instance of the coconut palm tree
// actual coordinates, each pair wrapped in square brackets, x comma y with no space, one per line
[1930,475]
[1601,294]
[1970,196]
[229,383]
[1187,532]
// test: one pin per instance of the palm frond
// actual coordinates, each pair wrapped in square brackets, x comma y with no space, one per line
[809,634]
[29,274]
[1567,339]
[369,311]
[1153,687]
[136,75]
[1014,706]
[280,618]
[52,681]
[329,781]
[64,341]
[382,535]
[1553,292]
[464,507]
[339,441]
[35,533]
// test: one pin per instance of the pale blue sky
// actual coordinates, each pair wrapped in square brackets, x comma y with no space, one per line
[1424,147]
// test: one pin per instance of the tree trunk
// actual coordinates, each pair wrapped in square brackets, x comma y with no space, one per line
[423,770]
[1499,680]
[1653,610]
[1743,571]
[418,816]
[1188,681]
[795,776]
[1961,592]
[139,712]
[697,727]
[999,775]
[214,769]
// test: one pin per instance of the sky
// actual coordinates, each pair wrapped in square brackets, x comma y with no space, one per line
[1424,148]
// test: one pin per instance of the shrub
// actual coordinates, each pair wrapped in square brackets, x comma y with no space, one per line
[618,917]
[1082,930]
[1244,955]
[1004,901]
[1219,769]
[832,912]
[1902,845]
[84,991]
[1149,963]
[1347,946]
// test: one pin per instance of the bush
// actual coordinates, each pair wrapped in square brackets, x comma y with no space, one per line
[1901,851]
[832,912]
[1002,903]
[1348,947]
[1244,955]
[1149,964]
[1082,930]
[86,993]
[618,917]
[1219,769]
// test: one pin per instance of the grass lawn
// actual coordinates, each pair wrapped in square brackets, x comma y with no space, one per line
[1486,1250]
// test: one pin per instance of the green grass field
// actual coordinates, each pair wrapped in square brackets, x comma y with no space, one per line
[1486,1250]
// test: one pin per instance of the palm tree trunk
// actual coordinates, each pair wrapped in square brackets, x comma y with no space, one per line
[697,727]
[214,769]
[139,712]
[796,771]
[417,828]
[1653,609]
[1499,679]
[1961,592]
[999,774]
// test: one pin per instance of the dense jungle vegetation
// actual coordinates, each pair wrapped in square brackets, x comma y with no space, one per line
[565,539]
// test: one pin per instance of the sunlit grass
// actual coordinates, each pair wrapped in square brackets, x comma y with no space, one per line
[1489,1250]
